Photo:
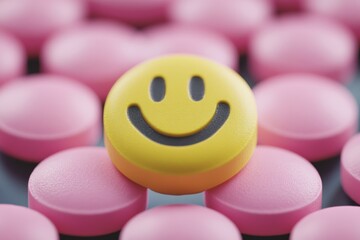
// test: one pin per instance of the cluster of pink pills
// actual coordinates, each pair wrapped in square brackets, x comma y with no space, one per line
[301,56]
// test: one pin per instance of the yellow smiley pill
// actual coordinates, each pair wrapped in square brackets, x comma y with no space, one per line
[180,124]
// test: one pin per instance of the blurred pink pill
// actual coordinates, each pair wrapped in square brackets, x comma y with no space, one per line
[237,20]
[83,194]
[180,222]
[350,168]
[20,223]
[139,12]
[303,44]
[12,58]
[329,224]
[96,54]
[270,195]
[346,11]
[43,114]
[307,114]
[34,21]
[171,39]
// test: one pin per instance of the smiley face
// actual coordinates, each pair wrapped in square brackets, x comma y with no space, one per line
[180,124]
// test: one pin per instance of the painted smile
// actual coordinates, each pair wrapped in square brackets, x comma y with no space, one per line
[221,115]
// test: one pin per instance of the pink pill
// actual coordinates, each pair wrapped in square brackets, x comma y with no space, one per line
[307,114]
[139,12]
[23,223]
[303,44]
[346,11]
[329,224]
[237,20]
[96,54]
[12,58]
[43,114]
[179,222]
[34,21]
[270,195]
[172,38]
[350,168]
[83,194]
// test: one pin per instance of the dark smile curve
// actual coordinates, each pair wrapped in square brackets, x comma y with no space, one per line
[221,115]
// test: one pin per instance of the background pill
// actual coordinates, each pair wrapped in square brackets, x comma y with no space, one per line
[140,12]
[345,11]
[83,194]
[173,38]
[96,54]
[12,58]
[43,114]
[350,168]
[329,224]
[307,114]
[273,192]
[34,21]
[179,222]
[237,20]
[22,223]
[303,44]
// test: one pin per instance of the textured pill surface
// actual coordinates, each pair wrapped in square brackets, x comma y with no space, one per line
[329,224]
[23,223]
[43,114]
[307,114]
[83,193]
[179,222]
[350,168]
[270,195]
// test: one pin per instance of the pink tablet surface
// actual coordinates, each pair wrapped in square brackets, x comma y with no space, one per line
[95,53]
[235,19]
[270,195]
[303,44]
[12,58]
[139,12]
[175,38]
[20,223]
[345,11]
[307,114]
[83,193]
[43,114]
[34,21]
[350,168]
[180,222]
[329,224]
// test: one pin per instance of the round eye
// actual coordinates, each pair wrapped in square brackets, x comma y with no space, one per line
[197,88]
[157,89]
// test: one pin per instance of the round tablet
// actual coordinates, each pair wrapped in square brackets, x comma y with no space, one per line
[12,58]
[303,44]
[346,11]
[350,168]
[43,114]
[33,21]
[329,224]
[23,223]
[179,222]
[307,114]
[96,54]
[270,195]
[140,12]
[172,38]
[237,20]
[83,194]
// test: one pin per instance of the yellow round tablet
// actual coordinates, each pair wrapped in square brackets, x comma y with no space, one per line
[180,124]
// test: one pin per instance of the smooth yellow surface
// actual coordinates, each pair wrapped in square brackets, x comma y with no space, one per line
[180,169]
